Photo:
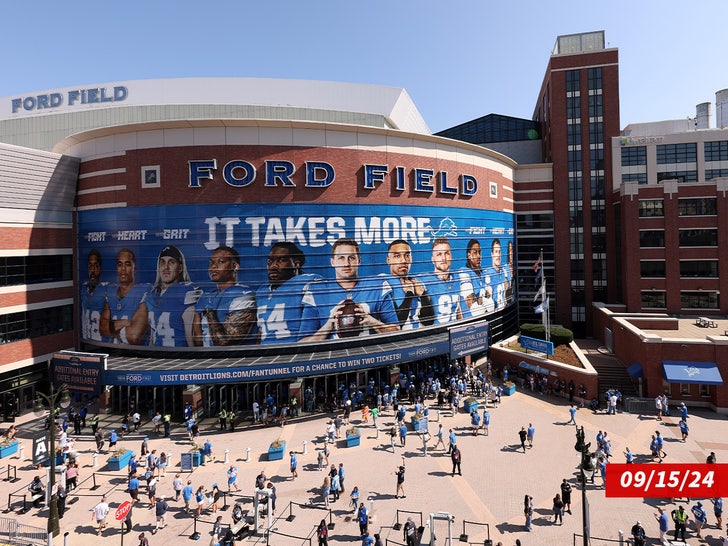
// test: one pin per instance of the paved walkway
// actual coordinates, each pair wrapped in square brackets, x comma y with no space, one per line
[496,476]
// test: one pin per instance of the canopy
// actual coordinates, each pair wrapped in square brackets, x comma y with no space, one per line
[699,373]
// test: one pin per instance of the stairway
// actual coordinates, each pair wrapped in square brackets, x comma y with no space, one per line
[612,372]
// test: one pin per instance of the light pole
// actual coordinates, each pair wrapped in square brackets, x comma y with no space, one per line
[61,397]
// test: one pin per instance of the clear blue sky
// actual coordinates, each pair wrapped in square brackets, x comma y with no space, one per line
[458,60]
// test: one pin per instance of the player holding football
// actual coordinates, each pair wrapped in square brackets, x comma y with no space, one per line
[225,315]
[365,303]
[279,302]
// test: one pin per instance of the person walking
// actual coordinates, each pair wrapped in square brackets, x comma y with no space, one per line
[294,465]
[354,496]
[335,486]
[128,523]
[399,472]
[393,436]
[528,511]
[326,490]
[342,475]
[100,511]
[700,517]
[572,415]
[718,511]
[362,518]
[566,495]
[658,407]
[684,429]
[143,540]
[663,524]
[403,435]
[453,441]
[486,421]
[456,456]
[133,487]
[530,433]
[410,533]
[160,509]
[522,435]
[232,478]
[558,509]
[322,533]
[187,494]
[440,435]
[177,485]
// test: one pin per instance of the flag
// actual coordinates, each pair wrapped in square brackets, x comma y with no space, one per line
[542,307]
[539,276]
[537,264]
[541,292]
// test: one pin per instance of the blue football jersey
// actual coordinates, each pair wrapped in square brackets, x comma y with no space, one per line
[227,302]
[166,309]
[412,320]
[497,280]
[445,296]
[472,283]
[320,297]
[92,305]
[123,308]
[280,309]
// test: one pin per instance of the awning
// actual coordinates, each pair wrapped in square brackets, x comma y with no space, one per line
[699,373]
[635,370]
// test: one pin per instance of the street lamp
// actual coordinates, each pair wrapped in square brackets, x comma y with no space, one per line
[61,397]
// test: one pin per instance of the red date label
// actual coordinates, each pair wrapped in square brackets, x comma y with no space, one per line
[667,480]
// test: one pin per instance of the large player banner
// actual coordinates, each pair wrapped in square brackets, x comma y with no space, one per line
[239,274]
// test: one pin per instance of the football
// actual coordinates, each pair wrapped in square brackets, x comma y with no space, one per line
[348,323]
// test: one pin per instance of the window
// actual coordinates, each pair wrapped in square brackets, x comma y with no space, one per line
[36,323]
[634,178]
[597,186]
[698,237]
[150,177]
[572,81]
[680,176]
[599,270]
[15,270]
[595,78]
[716,151]
[596,133]
[598,215]
[699,299]
[576,217]
[534,221]
[653,299]
[710,174]
[652,238]
[573,111]
[573,134]
[685,389]
[596,162]
[649,208]
[704,389]
[574,160]
[634,156]
[699,268]
[599,243]
[652,268]
[577,243]
[595,106]
[701,206]
[575,188]
[677,153]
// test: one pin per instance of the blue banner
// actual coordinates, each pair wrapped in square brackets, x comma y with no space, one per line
[79,372]
[241,274]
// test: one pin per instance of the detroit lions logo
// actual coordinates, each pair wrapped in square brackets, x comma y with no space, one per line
[691,371]
[447,229]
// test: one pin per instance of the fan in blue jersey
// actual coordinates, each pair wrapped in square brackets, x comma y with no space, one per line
[123,299]
[279,302]
[359,304]
[411,300]
[476,295]
[169,307]
[442,285]
[225,315]
[93,298]
[496,275]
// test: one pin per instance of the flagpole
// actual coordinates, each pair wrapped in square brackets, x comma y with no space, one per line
[545,315]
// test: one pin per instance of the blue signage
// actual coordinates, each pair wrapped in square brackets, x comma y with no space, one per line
[93,95]
[538,345]
[79,371]
[468,340]
[273,371]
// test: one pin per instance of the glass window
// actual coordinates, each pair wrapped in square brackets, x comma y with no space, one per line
[685,152]
[634,156]
[597,186]
[35,323]
[699,299]
[598,215]
[704,389]
[699,268]
[596,162]
[685,389]
[653,299]
[577,243]
[700,206]
[573,134]
[681,176]
[710,174]
[17,270]
[652,268]
[575,188]
[599,243]
[572,80]
[595,106]
[573,111]
[716,151]
[651,207]
[595,78]
[652,238]
[534,221]
[634,178]
[698,237]
[599,269]
[574,160]
[596,133]
[576,217]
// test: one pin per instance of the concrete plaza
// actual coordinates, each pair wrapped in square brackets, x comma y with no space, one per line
[496,476]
